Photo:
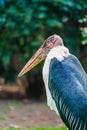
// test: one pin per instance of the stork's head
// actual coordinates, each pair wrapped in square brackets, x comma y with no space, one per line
[42,52]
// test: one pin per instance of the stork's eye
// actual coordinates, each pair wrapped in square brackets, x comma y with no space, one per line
[49,44]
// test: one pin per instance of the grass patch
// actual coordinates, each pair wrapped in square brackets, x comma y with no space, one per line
[16,103]
[12,128]
[60,128]
[2,118]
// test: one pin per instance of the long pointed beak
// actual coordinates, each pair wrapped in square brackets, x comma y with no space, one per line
[35,60]
[41,53]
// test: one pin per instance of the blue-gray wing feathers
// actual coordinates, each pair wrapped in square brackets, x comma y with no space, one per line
[68,87]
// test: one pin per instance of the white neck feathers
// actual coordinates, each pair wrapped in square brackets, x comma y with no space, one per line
[58,52]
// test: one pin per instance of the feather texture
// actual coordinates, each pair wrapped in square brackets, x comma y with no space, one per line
[66,87]
[60,52]
[68,92]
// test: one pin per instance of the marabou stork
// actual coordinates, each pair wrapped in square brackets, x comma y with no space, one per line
[65,82]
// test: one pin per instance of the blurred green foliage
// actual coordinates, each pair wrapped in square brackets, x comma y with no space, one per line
[24,25]
[84,30]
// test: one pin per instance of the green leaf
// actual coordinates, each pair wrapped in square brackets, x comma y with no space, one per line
[54,23]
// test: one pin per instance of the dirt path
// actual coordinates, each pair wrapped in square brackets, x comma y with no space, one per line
[25,115]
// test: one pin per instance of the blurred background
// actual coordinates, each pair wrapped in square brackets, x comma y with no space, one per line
[24,25]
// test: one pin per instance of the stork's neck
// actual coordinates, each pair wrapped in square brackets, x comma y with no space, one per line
[58,52]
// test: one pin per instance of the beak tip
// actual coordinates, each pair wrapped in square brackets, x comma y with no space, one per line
[19,75]
[22,72]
